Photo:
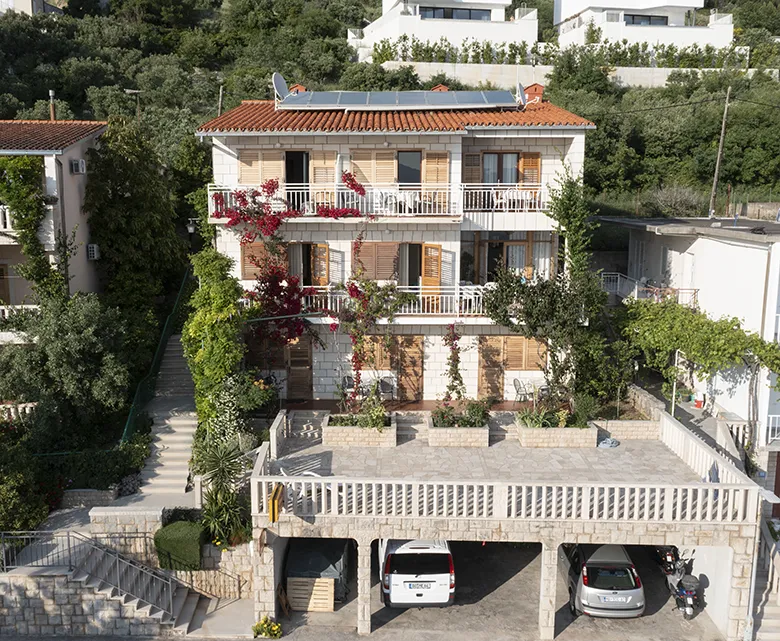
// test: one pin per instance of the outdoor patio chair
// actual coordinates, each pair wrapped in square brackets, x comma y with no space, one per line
[386,388]
[522,393]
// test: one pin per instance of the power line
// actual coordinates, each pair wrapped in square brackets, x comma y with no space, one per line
[756,102]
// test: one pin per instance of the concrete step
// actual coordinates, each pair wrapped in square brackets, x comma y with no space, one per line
[767,625]
[182,624]
[767,636]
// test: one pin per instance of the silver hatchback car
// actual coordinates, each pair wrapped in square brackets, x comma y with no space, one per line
[602,581]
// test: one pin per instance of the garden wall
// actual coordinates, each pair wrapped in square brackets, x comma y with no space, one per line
[645,402]
[458,436]
[354,436]
[630,430]
[89,498]
[55,605]
[557,436]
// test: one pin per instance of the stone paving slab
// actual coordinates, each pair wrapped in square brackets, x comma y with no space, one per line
[630,462]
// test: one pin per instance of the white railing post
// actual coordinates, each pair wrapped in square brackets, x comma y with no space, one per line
[500,500]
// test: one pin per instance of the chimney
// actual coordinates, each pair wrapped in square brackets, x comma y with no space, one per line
[440,88]
[534,91]
[52,111]
[297,88]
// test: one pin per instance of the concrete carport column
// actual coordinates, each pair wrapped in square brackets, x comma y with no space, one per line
[264,579]
[547,589]
[364,587]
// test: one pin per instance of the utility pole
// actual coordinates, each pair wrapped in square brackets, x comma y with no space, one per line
[720,153]
[219,105]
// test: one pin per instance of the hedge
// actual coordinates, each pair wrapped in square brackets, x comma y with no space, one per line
[179,544]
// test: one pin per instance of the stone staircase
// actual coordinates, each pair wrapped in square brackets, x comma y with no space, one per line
[766,605]
[174,424]
[411,426]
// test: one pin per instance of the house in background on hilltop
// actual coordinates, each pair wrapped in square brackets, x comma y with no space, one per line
[62,145]
[30,7]
[638,21]
[453,20]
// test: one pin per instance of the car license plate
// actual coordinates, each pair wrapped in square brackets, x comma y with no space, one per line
[418,586]
[689,600]
[613,599]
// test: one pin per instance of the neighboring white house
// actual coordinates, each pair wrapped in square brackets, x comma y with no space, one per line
[63,146]
[30,7]
[724,270]
[453,20]
[456,191]
[641,21]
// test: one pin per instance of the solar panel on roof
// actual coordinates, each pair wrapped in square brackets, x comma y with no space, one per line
[398,100]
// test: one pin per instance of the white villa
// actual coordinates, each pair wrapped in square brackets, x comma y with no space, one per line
[453,20]
[641,21]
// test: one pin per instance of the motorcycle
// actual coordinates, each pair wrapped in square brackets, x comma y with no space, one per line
[667,556]
[682,585]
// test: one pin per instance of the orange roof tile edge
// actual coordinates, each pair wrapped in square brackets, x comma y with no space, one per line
[261,116]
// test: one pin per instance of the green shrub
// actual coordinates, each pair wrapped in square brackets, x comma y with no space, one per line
[585,408]
[21,507]
[178,545]
[372,413]
[475,414]
[535,418]
[444,415]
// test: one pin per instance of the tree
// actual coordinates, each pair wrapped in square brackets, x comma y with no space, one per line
[40,111]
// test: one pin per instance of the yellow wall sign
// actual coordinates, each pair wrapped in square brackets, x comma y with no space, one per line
[275,506]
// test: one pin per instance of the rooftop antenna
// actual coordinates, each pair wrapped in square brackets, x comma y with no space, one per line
[280,86]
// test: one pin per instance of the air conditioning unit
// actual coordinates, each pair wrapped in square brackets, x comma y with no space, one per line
[93,252]
[78,166]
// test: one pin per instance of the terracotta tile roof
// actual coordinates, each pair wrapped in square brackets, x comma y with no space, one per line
[45,135]
[260,116]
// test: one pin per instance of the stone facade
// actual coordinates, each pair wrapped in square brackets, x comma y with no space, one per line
[354,436]
[50,605]
[128,531]
[550,533]
[458,436]
[557,436]
[227,575]
[89,498]
[629,430]
[645,402]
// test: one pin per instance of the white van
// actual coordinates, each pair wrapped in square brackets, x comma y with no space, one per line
[416,573]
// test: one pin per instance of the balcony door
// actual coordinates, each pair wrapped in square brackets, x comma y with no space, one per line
[299,366]
[409,167]
[296,174]
[5,285]
[501,168]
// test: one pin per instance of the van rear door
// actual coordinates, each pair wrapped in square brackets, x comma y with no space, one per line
[420,578]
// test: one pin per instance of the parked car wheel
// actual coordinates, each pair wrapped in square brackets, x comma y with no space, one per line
[573,605]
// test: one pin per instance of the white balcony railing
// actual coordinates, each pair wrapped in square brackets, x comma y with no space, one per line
[15,411]
[460,300]
[424,199]
[5,219]
[8,310]
[772,428]
[626,287]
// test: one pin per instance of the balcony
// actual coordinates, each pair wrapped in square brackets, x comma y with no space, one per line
[8,310]
[7,232]
[626,287]
[460,301]
[440,202]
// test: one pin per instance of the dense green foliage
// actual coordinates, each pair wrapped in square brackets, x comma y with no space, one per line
[179,544]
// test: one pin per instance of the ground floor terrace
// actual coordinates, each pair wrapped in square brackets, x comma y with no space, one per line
[661,486]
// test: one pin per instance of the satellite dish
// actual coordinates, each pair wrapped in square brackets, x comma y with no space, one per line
[520,96]
[280,86]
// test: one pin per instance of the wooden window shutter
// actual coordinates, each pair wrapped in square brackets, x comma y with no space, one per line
[431,265]
[384,167]
[386,261]
[531,168]
[257,253]
[514,352]
[535,354]
[272,165]
[319,265]
[323,167]
[436,167]
[378,354]
[248,167]
[363,166]
[368,258]
[472,173]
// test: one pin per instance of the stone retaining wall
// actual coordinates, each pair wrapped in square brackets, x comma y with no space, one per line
[630,430]
[89,498]
[227,575]
[354,436]
[645,402]
[457,436]
[55,605]
[128,531]
[557,436]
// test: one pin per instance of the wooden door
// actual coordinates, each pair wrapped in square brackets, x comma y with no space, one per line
[409,367]
[5,285]
[320,258]
[431,278]
[776,506]
[491,367]
[436,178]
[299,366]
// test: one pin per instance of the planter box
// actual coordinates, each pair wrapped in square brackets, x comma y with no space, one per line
[354,436]
[457,436]
[557,436]
[89,498]
[630,430]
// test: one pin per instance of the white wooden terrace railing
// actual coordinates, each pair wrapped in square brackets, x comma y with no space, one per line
[627,287]
[393,199]
[769,557]
[458,300]
[12,411]
[733,499]
[5,219]
[8,310]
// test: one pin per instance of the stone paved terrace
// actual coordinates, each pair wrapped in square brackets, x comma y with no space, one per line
[630,462]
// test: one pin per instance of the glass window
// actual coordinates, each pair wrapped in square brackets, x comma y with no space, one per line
[659,20]
[610,578]
[508,168]
[409,167]
[542,252]
[490,168]
[454,14]
[426,13]
[515,259]
[480,14]
[461,14]
[419,564]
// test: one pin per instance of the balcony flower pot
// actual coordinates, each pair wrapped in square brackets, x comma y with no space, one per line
[356,436]
[575,437]
[457,436]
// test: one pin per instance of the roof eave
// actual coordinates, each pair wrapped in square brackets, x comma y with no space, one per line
[299,132]
[30,152]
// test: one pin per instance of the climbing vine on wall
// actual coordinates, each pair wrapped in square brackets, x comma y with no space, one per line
[21,190]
